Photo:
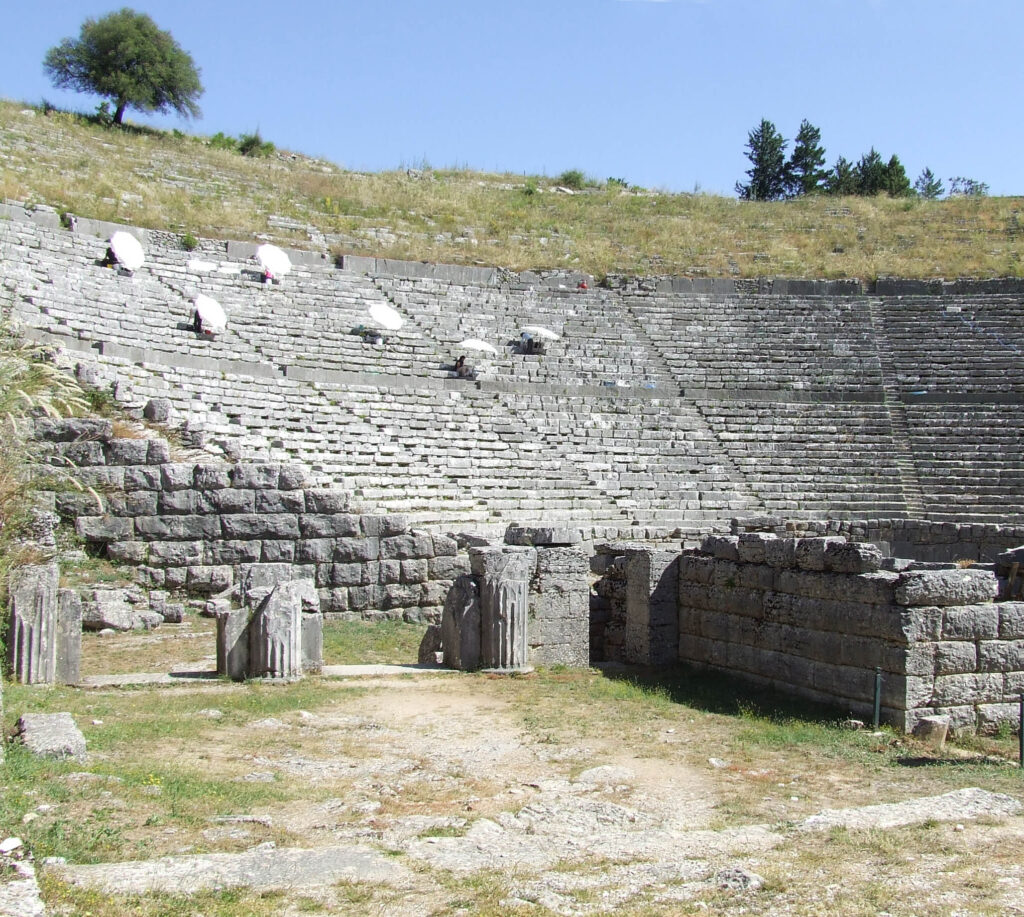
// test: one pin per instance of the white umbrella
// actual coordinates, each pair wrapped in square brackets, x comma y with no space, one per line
[539,331]
[385,316]
[211,313]
[128,250]
[273,259]
[477,344]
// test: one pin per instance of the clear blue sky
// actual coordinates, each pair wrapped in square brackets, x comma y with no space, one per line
[661,93]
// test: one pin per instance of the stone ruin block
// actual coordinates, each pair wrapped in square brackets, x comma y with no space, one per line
[69,637]
[946,587]
[460,625]
[504,575]
[44,643]
[652,607]
[278,633]
[275,635]
[233,643]
[51,735]
[559,618]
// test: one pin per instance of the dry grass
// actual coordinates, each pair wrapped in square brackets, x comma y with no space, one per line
[349,759]
[171,181]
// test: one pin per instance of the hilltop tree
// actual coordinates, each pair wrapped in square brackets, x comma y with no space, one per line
[766,151]
[124,57]
[804,168]
[843,178]
[896,182]
[928,186]
[870,172]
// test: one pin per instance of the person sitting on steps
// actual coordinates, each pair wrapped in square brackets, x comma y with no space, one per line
[462,369]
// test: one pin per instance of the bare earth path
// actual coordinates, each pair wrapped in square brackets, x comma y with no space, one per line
[432,794]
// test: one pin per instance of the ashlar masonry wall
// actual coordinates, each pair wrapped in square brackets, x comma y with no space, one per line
[197,526]
[815,617]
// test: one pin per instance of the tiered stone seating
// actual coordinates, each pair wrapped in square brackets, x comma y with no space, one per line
[812,460]
[652,413]
[955,343]
[968,459]
[762,342]
[599,342]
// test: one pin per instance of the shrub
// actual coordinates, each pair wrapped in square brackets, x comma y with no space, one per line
[221,141]
[189,242]
[573,179]
[254,145]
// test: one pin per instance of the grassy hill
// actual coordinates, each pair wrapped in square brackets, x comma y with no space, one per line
[178,182]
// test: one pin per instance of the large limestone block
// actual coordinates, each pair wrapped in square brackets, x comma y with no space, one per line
[69,637]
[652,607]
[233,643]
[504,575]
[460,625]
[51,735]
[275,631]
[32,638]
[810,552]
[852,557]
[559,618]
[946,587]
[259,580]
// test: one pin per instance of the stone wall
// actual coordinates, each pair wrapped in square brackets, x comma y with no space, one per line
[198,525]
[916,539]
[817,617]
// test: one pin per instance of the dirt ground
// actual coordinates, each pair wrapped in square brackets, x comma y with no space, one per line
[558,793]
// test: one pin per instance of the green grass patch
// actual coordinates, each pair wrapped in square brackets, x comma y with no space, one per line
[371,642]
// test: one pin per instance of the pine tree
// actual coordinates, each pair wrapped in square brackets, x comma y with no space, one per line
[842,179]
[928,186]
[766,151]
[896,182]
[804,169]
[870,172]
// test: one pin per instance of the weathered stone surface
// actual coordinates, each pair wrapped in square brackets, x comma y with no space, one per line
[233,643]
[109,608]
[33,639]
[652,598]
[312,637]
[159,410]
[263,868]
[852,557]
[69,637]
[258,580]
[430,646]
[946,587]
[504,575]
[810,552]
[724,547]
[558,631]
[933,730]
[275,631]
[460,625]
[527,536]
[50,735]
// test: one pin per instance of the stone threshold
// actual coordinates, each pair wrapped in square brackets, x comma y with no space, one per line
[132,679]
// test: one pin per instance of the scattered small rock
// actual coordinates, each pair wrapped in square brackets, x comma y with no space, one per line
[736,878]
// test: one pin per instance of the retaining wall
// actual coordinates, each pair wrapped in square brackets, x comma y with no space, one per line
[198,526]
[815,617]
